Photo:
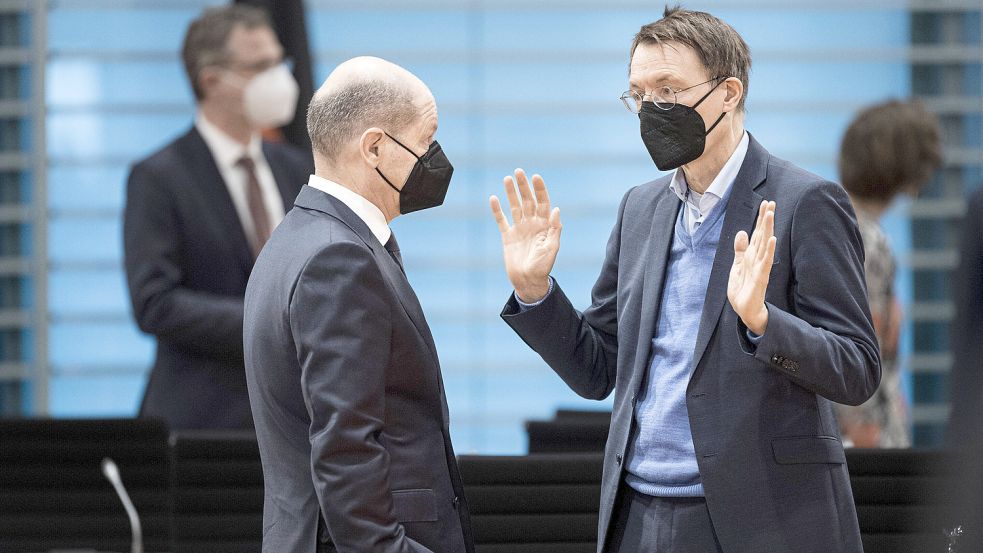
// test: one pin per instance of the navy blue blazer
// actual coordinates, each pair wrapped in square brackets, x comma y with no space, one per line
[766,438]
[187,263]
[347,394]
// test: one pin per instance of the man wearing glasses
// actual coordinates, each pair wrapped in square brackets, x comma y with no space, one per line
[199,211]
[730,313]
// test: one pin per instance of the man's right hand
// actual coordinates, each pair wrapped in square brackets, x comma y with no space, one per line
[531,242]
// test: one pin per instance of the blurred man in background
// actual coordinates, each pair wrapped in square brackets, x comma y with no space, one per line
[343,373]
[199,211]
[889,149]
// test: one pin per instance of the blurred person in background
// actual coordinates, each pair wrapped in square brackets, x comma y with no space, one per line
[198,212]
[344,376]
[889,149]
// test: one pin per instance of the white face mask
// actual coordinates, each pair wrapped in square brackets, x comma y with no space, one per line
[270,98]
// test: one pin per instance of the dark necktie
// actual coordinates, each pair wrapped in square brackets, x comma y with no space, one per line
[257,207]
[393,248]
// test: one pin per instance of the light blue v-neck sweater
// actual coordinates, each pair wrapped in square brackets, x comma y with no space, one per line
[661,460]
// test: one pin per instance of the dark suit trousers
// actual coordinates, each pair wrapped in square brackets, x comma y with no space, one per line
[646,524]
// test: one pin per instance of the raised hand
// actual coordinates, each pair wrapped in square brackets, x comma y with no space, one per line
[752,267]
[531,242]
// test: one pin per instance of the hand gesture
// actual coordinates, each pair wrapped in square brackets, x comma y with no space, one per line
[752,267]
[531,242]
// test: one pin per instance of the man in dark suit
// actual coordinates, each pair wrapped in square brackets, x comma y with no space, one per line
[723,436]
[343,373]
[198,212]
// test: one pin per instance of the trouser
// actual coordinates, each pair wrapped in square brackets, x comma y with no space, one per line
[646,524]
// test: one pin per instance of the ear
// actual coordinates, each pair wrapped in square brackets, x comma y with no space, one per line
[208,79]
[734,89]
[370,146]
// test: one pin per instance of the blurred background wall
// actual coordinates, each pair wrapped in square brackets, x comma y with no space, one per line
[89,86]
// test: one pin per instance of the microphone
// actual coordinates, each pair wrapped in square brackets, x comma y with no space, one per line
[111,472]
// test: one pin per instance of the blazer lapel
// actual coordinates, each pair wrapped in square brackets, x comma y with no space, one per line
[742,211]
[407,298]
[209,180]
[659,242]
[312,198]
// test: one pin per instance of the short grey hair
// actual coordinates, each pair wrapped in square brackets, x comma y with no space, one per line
[336,117]
[207,39]
[720,48]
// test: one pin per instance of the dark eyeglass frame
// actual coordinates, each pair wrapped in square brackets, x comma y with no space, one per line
[632,99]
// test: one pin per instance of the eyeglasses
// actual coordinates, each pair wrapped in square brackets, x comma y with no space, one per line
[258,67]
[664,98]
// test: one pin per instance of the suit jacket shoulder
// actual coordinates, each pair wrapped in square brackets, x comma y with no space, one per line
[793,182]
[290,153]
[169,156]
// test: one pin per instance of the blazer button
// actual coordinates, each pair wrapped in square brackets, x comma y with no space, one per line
[633,399]
[456,502]
[617,459]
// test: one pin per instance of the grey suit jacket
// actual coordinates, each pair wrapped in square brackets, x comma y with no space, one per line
[346,393]
[763,427]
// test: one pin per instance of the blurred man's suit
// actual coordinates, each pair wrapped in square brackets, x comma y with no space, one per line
[347,392]
[765,436]
[189,248]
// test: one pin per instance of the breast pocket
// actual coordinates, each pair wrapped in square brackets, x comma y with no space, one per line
[415,505]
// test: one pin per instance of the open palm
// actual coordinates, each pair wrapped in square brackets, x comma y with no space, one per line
[751,271]
[531,242]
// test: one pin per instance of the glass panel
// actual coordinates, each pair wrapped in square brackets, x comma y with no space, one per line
[537,91]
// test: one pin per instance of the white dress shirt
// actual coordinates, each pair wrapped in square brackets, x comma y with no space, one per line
[227,152]
[698,206]
[367,211]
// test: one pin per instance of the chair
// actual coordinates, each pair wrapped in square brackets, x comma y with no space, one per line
[53,494]
[217,487]
[570,431]
[543,503]
[897,494]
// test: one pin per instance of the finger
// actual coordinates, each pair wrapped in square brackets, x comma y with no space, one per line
[762,268]
[555,219]
[770,257]
[756,235]
[528,202]
[514,205]
[740,246]
[496,207]
[767,233]
[542,196]
[553,233]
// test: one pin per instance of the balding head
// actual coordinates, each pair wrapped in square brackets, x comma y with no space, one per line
[359,94]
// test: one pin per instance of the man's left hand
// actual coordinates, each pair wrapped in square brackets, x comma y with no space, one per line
[752,267]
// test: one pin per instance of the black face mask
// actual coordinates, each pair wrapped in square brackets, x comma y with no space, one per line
[676,136]
[428,181]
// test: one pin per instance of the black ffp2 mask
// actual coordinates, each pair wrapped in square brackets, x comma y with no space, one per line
[428,181]
[675,136]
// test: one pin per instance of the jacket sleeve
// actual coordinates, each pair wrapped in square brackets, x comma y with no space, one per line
[581,347]
[205,323]
[341,325]
[827,344]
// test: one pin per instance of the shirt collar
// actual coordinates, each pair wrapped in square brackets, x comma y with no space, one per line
[724,179]
[226,151]
[366,210]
